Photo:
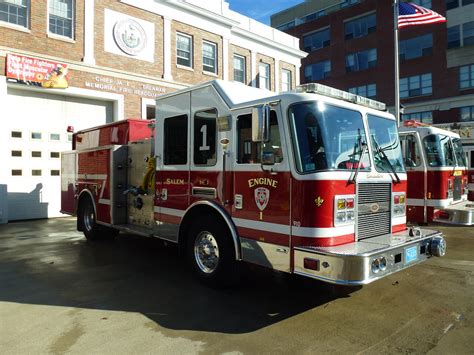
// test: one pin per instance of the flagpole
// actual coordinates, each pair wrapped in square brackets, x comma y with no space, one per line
[397,62]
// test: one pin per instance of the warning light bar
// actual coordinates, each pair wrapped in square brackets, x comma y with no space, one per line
[316,88]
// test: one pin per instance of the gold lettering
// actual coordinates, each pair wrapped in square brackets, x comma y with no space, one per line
[262,181]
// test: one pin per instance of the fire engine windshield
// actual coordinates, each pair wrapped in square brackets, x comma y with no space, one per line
[385,145]
[327,137]
[438,150]
[459,152]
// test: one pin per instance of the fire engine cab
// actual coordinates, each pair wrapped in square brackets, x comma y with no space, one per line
[437,175]
[310,182]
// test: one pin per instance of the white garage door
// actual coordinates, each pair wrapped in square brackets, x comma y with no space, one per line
[32,138]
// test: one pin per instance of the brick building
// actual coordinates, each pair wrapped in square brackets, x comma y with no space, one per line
[351,47]
[82,62]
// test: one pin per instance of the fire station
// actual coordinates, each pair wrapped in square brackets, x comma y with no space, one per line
[71,64]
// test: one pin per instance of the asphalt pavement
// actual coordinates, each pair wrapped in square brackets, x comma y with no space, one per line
[62,294]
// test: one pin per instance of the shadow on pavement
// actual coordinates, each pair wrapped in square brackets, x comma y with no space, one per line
[47,262]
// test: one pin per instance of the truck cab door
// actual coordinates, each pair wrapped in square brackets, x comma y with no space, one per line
[172,158]
[417,174]
[261,193]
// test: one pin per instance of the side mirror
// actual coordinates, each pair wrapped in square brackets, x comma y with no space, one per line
[261,123]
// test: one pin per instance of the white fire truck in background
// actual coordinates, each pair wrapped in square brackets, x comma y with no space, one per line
[437,175]
[310,182]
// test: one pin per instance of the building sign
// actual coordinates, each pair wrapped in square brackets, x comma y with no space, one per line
[36,71]
[129,36]
[120,86]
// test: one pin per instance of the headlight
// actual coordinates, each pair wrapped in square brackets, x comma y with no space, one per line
[344,210]
[399,204]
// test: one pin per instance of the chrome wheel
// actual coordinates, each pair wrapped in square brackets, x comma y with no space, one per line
[206,252]
[89,217]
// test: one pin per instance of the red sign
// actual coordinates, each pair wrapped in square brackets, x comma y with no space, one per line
[36,71]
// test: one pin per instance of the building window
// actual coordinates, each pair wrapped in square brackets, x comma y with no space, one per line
[466,76]
[468,33]
[16,12]
[317,71]
[416,47]
[467,113]
[184,50]
[54,155]
[426,116]
[451,4]
[54,172]
[417,85]
[264,76]
[16,134]
[286,80]
[16,153]
[36,154]
[209,57]
[316,40]
[36,172]
[61,14]
[361,60]
[360,27]
[369,90]
[424,3]
[454,36]
[460,35]
[54,137]
[17,172]
[35,135]
[239,69]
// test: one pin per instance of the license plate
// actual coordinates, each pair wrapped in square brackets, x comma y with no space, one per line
[411,254]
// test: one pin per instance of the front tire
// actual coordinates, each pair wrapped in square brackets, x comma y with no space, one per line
[211,253]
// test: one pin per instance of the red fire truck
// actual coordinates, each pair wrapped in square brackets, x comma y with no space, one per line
[310,182]
[437,175]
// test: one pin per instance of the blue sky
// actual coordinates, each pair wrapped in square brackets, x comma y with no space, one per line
[261,10]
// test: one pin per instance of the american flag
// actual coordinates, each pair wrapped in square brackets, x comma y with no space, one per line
[413,15]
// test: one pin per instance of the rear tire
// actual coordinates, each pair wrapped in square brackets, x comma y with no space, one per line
[88,220]
[211,253]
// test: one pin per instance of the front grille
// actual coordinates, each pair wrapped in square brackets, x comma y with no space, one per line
[457,193]
[373,209]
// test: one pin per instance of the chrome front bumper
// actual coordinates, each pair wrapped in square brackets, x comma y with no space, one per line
[356,263]
[461,213]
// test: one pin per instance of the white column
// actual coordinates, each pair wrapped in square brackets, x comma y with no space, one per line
[167,49]
[225,58]
[253,68]
[297,74]
[277,75]
[89,32]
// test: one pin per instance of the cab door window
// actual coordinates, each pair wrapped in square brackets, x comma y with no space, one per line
[250,152]
[176,140]
[411,151]
[205,136]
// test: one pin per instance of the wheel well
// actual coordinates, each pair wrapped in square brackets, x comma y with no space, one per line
[205,210]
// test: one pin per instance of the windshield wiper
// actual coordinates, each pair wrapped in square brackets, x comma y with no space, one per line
[387,160]
[362,146]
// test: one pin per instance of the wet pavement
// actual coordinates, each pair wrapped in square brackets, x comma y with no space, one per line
[60,293]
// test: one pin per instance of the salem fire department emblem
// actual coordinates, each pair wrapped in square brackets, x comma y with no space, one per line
[262,195]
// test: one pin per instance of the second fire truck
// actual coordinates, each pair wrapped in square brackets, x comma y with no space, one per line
[437,175]
[310,182]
